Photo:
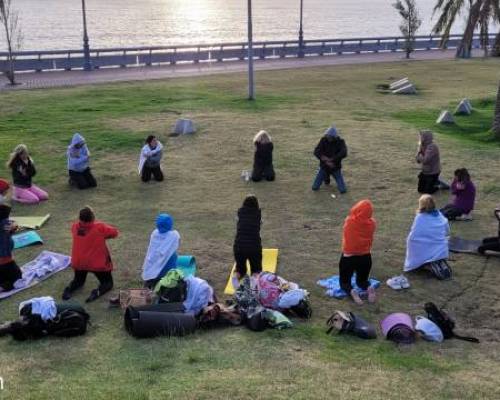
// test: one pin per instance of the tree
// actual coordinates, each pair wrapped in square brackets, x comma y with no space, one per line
[495,51]
[481,12]
[411,22]
[496,121]
[13,36]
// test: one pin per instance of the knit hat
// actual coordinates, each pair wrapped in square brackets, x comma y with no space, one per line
[164,223]
[331,132]
[4,185]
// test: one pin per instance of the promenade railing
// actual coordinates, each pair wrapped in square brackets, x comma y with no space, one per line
[51,60]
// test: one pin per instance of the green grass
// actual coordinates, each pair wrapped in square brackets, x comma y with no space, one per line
[471,128]
[203,191]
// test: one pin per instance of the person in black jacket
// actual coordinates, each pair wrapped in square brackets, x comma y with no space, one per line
[330,151]
[23,170]
[263,159]
[247,244]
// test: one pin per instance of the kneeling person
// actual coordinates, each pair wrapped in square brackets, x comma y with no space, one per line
[78,164]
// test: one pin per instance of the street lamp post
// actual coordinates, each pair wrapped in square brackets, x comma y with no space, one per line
[251,90]
[87,65]
[301,33]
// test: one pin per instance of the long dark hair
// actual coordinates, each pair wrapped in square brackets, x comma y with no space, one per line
[251,202]
[150,138]
[462,175]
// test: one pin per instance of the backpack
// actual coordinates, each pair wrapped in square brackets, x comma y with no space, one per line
[441,270]
[176,294]
[445,323]
[68,323]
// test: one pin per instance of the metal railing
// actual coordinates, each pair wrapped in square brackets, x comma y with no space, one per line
[52,60]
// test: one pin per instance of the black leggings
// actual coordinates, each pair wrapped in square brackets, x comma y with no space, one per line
[427,184]
[254,257]
[105,281]
[148,171]
[451,212]
[491,244]
[9,274]
[82,180]
[359,264]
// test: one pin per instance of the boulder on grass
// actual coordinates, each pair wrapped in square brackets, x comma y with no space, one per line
[445,118]
[184,126]
[398,84]
[468,103]
[408,89]
[463,109]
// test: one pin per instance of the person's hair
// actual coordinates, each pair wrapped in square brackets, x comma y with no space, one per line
[18,150]
[150,138]
[86,214]
[262,137]
[4,211]
[462,175]
[251,202]
[426,204]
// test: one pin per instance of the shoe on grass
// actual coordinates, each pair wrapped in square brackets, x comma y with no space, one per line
[94,294]
[67,294]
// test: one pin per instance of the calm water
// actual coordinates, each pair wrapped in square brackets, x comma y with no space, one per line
[56,24]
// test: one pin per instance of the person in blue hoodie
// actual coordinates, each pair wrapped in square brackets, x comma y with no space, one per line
[78,164]
[9,270]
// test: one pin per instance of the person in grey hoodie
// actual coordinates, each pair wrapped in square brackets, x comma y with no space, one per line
[428,157]
[150,160]
[78,163]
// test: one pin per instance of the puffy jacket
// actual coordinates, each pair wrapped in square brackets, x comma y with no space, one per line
[335,149]
[359,228]
[248,229]
[263,155]
[89,251]
[19,179]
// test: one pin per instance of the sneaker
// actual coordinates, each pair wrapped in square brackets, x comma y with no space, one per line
[394,283]
[67,294]
[356,298]
[94,294]
[372,296]
[464,217]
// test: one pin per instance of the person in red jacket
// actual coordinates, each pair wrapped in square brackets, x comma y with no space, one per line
[357,240]
[90,254]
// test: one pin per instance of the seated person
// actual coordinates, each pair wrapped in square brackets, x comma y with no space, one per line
[4,188]
[491,243]
[150,160]
[428,238]
[162,251]
[78,163]
[9,271]
[263,158]
[464,195]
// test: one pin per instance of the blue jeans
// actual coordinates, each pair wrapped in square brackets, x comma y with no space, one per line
[322,175]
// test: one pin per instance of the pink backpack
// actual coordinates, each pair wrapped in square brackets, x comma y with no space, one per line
[269,290]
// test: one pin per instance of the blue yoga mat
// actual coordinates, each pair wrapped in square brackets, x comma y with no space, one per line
[25,239]
[187,264]
[332,286]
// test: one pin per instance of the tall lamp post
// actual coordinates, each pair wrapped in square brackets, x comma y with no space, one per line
[301,33]
[251,89]
[87,65]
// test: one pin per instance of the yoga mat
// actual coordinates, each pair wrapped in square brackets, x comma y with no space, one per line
[269,264]
[25,239]
[31,222]
[459,245]
[187,264]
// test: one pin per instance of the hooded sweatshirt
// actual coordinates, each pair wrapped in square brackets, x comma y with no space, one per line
[89,251]
[78,158]
[428,154]
[359,228]
[332,146]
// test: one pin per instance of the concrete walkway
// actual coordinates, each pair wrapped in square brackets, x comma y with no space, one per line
[39,80]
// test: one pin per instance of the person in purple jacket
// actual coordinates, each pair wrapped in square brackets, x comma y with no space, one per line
[464,195]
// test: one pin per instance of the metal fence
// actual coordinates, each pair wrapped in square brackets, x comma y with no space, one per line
[160,55]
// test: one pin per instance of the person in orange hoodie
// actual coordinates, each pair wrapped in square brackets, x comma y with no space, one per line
[357,240]
[90,254]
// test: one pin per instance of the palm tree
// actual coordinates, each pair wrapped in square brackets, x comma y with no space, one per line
[481,12]
[496,121]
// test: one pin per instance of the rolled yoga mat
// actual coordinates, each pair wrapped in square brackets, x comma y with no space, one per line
[146,324]
[187,264]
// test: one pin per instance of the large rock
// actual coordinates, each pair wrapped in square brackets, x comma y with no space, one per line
[468,103]
[445,118]
[398,84]
[463,108]
[184,126]
[408,89]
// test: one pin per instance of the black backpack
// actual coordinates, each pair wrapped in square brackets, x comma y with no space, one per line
[69,323]
[445,322]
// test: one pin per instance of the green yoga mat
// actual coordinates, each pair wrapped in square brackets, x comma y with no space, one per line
[25,239]
[187,264]
[31,222]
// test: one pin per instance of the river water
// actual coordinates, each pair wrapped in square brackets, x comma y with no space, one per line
[57,24]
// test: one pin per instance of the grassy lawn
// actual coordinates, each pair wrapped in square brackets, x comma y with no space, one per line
[203,191]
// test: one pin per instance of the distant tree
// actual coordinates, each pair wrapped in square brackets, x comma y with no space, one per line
[495,51]
[9,19]
[496,121]
[407,9]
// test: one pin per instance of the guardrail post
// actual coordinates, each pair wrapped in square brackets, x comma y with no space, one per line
[322,51]
[39,69]
[173,60]
[149,63]
[341,47]
[197,58]
[124,59]
[395,48]
[378,46]
[360,44]
[263,52]
[68,66]
[220,56]
[242,56]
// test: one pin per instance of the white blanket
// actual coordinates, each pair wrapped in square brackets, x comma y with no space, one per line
[162,246]
[45,307]
[427,241]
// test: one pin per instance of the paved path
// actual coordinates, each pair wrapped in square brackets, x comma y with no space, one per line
[39,80]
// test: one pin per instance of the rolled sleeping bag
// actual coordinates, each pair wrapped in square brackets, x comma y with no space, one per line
[187,264]
[145,324]
[362,329]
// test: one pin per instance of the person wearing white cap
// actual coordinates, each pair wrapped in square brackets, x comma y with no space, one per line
[330,152]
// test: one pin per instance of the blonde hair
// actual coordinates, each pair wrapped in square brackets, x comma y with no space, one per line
[262,137]
[18,150]
[426,204]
